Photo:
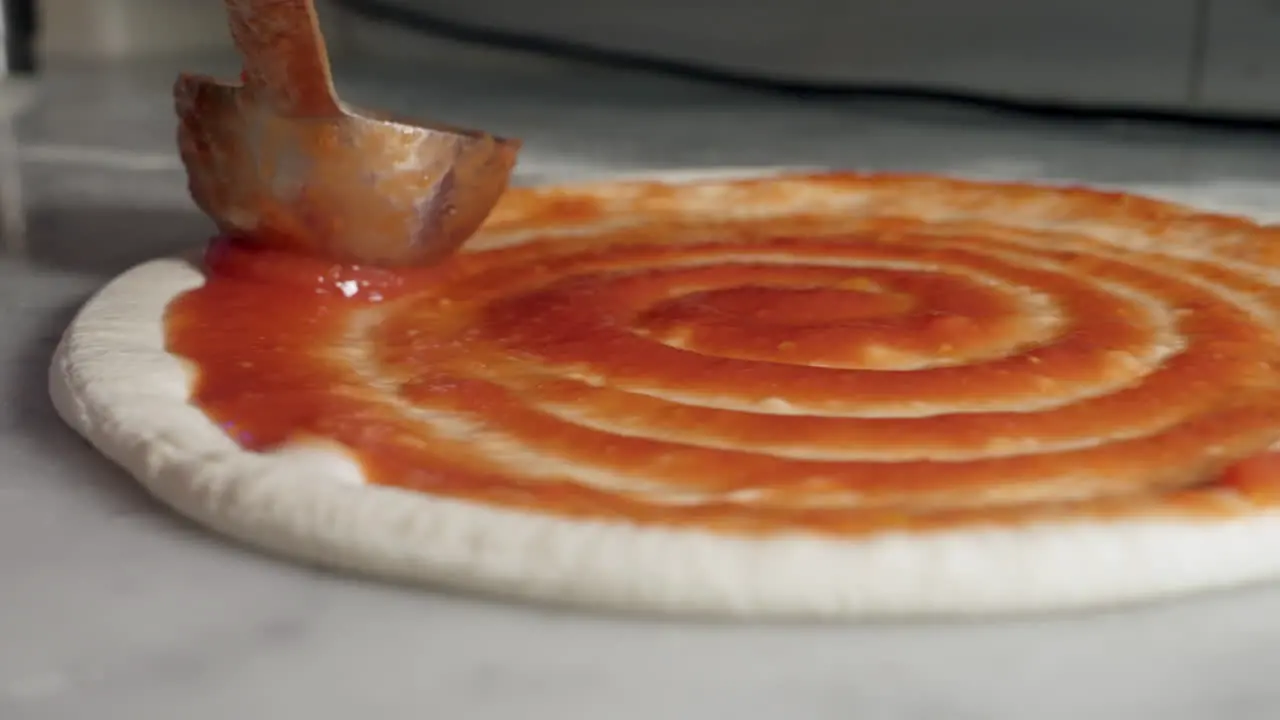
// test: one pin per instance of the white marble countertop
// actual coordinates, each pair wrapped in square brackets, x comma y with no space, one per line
[112,608]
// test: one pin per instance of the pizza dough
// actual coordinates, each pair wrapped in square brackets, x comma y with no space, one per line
[822,396]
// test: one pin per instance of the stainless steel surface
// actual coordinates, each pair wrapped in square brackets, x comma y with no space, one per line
[1242,57]
[1173,55]
[1085,50]
[112,608]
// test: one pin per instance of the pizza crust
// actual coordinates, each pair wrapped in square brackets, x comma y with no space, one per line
[112,380]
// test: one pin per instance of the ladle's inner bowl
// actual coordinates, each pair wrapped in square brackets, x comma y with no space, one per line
[370,190]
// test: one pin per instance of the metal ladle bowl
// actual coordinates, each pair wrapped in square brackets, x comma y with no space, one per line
[279,160]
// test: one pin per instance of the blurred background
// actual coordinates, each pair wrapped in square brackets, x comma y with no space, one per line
[1178,98]
[1206,56]
[1173,97]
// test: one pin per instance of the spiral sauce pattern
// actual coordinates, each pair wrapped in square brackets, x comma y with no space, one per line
[840,354]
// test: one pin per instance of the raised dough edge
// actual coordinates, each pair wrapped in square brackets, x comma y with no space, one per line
[112,380]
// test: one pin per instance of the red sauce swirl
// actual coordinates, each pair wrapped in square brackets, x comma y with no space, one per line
[881,353]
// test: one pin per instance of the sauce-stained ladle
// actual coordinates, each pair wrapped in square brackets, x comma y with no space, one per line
[282,162]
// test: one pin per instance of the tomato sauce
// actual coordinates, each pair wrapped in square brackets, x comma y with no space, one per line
[743,381]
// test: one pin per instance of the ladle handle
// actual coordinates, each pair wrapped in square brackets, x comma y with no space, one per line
[285,61]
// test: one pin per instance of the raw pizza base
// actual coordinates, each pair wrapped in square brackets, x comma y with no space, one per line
[112,380]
